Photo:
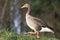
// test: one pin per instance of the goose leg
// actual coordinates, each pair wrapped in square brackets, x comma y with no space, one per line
[31,33]
[35,33]
[38,34]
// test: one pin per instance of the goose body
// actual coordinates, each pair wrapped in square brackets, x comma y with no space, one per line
[36,24]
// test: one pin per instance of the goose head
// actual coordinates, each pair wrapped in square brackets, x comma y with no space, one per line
[25,6]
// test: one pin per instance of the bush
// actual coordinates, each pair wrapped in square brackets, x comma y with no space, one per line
[6,35]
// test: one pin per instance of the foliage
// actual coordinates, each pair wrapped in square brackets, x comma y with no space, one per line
[47,10]
[6,35]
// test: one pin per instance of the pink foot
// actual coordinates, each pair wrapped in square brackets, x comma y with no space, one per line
[31,33]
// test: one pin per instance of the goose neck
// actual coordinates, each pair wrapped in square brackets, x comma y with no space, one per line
[28,11]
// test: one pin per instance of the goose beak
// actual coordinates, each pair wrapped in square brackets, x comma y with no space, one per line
[22,7]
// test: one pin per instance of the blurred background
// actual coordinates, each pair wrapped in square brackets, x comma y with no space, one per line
[12,17]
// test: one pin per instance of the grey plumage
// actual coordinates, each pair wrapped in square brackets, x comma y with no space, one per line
[34,23]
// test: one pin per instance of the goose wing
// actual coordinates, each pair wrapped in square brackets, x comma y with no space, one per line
[41,23]
[38,21]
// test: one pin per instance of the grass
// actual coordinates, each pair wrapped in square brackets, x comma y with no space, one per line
[6,35]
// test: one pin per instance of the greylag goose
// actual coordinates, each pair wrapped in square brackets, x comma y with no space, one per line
[36,24]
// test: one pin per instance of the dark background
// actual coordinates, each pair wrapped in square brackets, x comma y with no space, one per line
[46,10]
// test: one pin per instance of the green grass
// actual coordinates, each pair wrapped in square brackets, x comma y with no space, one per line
[6,35]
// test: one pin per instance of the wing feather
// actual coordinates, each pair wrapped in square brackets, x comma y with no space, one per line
[38,21]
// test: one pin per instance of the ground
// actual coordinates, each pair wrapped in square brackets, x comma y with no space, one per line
[6,35]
